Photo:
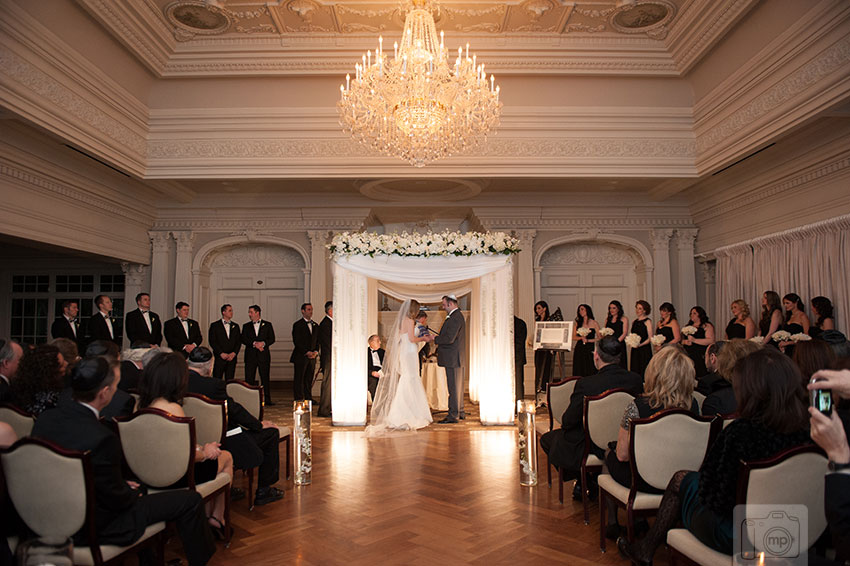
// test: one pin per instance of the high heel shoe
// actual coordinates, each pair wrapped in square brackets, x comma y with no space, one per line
[627,551]
[217,528]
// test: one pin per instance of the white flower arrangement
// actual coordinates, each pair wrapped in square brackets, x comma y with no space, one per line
[800,337]
[781,336]
[583,332]
[757,339]
[632,340]
[606,332]
[423,245]
[658,339]
[689,330]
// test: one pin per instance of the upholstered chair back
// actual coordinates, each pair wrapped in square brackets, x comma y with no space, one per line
[249,396]
[158,447]
[603,414]
[668,442]
[210,417]
[20,421]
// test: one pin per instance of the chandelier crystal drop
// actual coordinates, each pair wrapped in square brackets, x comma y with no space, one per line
[416,105]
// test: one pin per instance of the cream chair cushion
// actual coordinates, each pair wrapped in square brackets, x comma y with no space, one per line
[83,555]
[699,399]
[21,424]
[209,425]
[621,493]
[593,460]
[687,544]
[156,449]
[559,400]
[248,398]
[603,417]
[671,443]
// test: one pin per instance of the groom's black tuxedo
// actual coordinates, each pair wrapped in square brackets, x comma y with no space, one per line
[137,329]
[450,353]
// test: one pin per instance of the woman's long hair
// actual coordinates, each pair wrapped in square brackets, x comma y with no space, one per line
[619,306]
[773,304]
[670,309]
[670,379]
[588,310]
[794,298]
[824,308]
[701,314]
[166,376]
[545,307]
[769,389]
[38,372]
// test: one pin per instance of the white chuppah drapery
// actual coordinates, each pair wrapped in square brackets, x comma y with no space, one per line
[489,370]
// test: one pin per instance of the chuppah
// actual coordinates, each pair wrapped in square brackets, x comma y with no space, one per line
[420,266]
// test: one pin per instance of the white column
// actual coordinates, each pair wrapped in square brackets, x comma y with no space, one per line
[135,281]
[660,240]
[160,262]
[525,293]
[687,296]
[183,267]
[306,272]
[708,268]
[319,269]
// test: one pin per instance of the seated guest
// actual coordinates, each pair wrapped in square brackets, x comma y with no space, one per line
[669,385]
[7,513]
[721,400]
[131,365]
[10,358]
[813,356]
[565,445]
[40,379]
[259,442]
[123,404]
[838,342]
[163,386]
[122,511]
[822,312]
[772,417]
[68,349]
[705,384]
[374,361]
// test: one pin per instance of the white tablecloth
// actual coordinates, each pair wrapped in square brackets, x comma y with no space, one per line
[434,380]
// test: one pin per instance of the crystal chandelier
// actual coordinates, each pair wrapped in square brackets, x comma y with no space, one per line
[416,105]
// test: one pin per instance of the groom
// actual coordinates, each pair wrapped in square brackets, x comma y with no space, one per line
[450,353]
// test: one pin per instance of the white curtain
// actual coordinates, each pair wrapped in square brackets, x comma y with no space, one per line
[489,330]
[810,261]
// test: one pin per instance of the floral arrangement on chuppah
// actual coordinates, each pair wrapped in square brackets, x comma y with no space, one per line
[423,245]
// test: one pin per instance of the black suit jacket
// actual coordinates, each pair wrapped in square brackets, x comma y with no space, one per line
[5,395]
[216,389]
[837,497]
[98,330]
[75,427]
[136,329]
[130,376]
[520,336]
[303,340]
[266,334]
[370,367]
[568,442]
[176,337]
[61,328]
[326,330]
[450,341]
[220,343]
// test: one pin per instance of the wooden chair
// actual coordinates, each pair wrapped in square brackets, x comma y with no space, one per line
[659,446]
[20,420]
[699,398]
[795,476]
[159,449]
[251,397]
[557,400]
[53,491]
[601,414]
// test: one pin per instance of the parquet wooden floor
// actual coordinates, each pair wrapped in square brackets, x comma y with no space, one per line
[439,496]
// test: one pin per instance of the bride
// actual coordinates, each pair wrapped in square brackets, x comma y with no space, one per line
[400,401]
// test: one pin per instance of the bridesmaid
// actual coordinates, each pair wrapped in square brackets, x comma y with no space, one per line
[668,326]
[822,313]
[741,325]
[696,344]
[796,320]
[542,358]
[642,326]
[583,351]
[620,325]
[771,317]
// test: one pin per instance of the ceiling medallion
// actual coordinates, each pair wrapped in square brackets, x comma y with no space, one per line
[416,105]
[417,190]
[198,17]
[644,16]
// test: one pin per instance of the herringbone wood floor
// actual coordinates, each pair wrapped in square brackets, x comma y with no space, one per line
[448,494]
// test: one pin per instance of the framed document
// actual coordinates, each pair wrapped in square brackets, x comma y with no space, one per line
[553,335]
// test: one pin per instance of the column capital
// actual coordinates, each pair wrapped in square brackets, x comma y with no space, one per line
[685,238]
[134,273]
[660,238]
[318,236]
[184,240]
[525,237]
[159,240]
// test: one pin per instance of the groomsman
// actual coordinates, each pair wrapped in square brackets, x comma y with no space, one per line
[258,335]
[305,335]
[325,343]
[225,341]
[142,325]
[67,325]
[520,336]
[182,334]
[101,323]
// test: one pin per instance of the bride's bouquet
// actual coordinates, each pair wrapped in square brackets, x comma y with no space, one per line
[757,339]
[781,336]
[632,340]
[657,339]
[800,337]
[583,332]
[689,330]
[606,332]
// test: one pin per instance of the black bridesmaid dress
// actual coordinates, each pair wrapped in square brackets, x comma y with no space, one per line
[642,354]
[791,329]
[735,330]
[583,357]
[697,352]
[667,332]
[617,327]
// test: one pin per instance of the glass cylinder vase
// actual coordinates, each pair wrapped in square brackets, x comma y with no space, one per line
[302,418]
[527,440]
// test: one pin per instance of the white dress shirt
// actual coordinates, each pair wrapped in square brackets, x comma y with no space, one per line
[226,324]
[73,326]
[185,323]
[108,324]
[376,359]
[147,316]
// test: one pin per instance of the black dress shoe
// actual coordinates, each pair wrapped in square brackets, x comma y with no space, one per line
[447,420]
[236,493]
[627,551]
[577,492]
[614,532]
[462,416]
[266,495]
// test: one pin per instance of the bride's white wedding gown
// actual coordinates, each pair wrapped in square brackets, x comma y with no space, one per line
[409,408]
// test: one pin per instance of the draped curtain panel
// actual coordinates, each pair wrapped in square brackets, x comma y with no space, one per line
[809,261]
[489,331]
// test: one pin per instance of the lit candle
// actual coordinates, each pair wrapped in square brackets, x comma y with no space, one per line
[347,82]
[497,93]
[395,50]
[467,51]
[441,41]
[492,83]
[381,44]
